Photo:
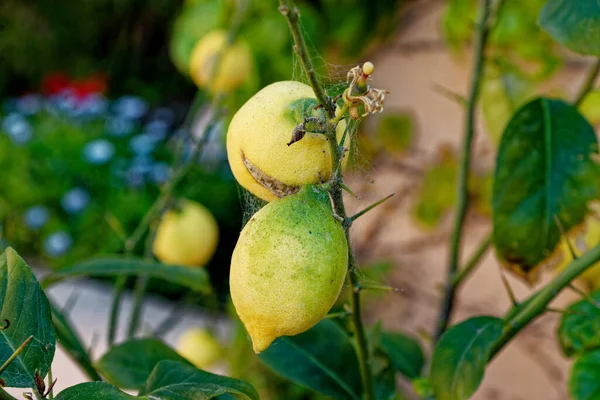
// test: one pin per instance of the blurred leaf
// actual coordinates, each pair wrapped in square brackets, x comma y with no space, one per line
[437,194]
[584,382]
[545,170]
[422,387]
[460,357]
[193,278]
[395,131]
[405,353]
[323,359]
[172,380]
[590,107]
[457,22]
[503,92]
[71,343]
[25,309]
[579,329]
[128,365]
[574,24]
[95,391]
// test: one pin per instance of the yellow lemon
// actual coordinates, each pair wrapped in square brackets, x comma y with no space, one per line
[233,63]
[186,235]
[258,137]
[199,347]
[583,240]
[288,266]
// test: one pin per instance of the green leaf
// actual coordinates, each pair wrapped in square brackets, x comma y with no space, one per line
[405,353]
[590,107]
[193,278]
[545,170]
[95,391]
[71,343]
[322,359]
[172,380]
[574,24]
[25,306]
[579,329]
[460,357]
[128,365]
[395,131]
[584,382]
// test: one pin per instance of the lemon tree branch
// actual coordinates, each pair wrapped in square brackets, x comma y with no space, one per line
[481,36]
[335,190]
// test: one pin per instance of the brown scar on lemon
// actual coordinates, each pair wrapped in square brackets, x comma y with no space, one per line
[274,186]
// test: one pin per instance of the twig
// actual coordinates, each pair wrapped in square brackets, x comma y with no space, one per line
[472,263]
[481,36]
[369,208]
[335,191]
[588,85]
[520,316]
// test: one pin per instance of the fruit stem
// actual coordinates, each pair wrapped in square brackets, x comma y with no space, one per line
[481,36]
[520,316]
[290,12]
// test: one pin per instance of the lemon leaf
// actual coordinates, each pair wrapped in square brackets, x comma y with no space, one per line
[584,382]
[405,353]
[128,365]
[322,359]
[579,329]
[95,391]
[191,277]
[545,169]
[460,357]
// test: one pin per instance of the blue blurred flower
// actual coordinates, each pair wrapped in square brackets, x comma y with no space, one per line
[36,217]
[98,151]
[30,104]
[119,126]
[94,105]
[75,200]
[157,129]
[131,107]
[163,114]
[58,243]
[17,128]
[66,102]
[160,173]
[143,144]
[136,176]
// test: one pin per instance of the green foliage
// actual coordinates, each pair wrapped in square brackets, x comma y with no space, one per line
[95,391]
[323,359]
[590,107]
[545,169]
[128,365]
[584,382]
[460,357]
[404,352]
[579,329]
[395,132]
[193,278]
[25,312]
[574,24]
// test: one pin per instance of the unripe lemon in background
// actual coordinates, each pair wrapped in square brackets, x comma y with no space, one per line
[187,235]
[257,138]
[582,241]
[288,266]
[199,347]
[233,63]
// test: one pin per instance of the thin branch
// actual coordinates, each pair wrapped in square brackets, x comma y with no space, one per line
[464,272]
[369,208]
[522,315]
[588,85]
[290,12]
[483,30]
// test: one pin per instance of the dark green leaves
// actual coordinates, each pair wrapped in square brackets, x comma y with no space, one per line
[579,329]
[193,278]
[128,365]
[405,353]
[95,391]
[584,383]
[172,380]
[574,24]
[322,359]
[460,357]
[25,307]
[545,170]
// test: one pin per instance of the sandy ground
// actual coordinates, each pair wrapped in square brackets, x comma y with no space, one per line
[531,368]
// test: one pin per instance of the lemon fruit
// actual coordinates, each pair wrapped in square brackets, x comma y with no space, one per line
[187,235]
[257,138]
[288,266]
[233,63]
[582,240]
[199,347]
